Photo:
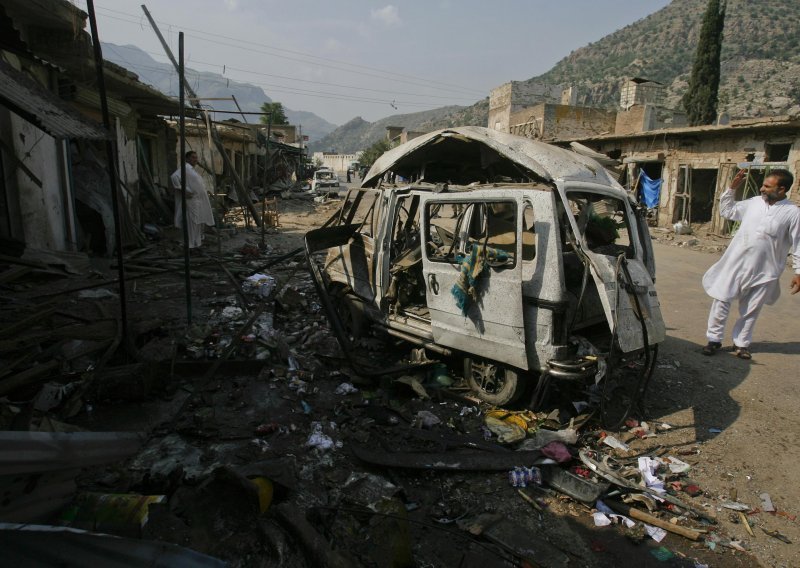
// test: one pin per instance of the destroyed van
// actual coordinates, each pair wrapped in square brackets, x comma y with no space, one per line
[525,261]
[324,180]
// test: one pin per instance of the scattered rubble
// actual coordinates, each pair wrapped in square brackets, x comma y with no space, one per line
[261,444]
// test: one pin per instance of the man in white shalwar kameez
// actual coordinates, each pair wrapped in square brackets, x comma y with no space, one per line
[198,206]
[750,268]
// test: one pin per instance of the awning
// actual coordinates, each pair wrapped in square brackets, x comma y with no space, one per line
[42,108]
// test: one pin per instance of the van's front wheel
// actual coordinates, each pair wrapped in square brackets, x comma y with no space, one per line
[492,382]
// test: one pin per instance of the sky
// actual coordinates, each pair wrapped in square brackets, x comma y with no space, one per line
[354,58]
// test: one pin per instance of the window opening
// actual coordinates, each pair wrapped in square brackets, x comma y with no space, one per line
[603,221]
[490,224]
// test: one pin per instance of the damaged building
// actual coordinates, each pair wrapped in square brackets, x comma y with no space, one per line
[696,163]
[49,114]
[690,166]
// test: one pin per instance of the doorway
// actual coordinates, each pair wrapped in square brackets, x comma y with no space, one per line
[704,185]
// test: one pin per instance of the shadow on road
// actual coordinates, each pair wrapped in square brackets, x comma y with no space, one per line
[685,379]
[783,347]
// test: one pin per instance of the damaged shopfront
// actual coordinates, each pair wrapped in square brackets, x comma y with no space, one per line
[55,186]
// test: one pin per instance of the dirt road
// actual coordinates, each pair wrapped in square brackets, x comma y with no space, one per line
[753,404]
[739,415]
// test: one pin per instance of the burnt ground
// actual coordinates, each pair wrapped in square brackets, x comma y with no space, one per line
[277,409]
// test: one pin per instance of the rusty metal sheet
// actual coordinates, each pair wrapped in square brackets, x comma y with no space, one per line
[33,452]
[45,545]
[42,108]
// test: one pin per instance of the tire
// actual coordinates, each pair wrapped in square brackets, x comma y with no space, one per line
[492,382]
[346,306]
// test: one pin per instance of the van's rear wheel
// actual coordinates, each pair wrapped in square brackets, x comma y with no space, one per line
[350,315]
[492,383]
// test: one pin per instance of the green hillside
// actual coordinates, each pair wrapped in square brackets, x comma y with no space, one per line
[760,67]
[761,40]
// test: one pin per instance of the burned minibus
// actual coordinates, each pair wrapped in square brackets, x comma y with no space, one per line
[526,261]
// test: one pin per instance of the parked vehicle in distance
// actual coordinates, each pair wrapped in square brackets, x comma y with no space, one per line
[324,180]
[526,261]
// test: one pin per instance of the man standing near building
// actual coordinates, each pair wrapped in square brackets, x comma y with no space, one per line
[198,206]
[750,268]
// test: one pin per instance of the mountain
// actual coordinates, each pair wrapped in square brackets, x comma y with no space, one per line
[358,134]
[760,57]
[163,77]
[760,68]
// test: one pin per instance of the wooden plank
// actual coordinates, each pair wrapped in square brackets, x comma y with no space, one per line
[28,376]
[13,273]
[27,322]
[651,520]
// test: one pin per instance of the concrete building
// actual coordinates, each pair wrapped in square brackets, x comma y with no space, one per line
[512,97]
[696,163]
[549,122]
[397,135]
[336,162]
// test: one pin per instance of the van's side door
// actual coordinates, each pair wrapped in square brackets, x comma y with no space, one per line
[607,232]
[459,233]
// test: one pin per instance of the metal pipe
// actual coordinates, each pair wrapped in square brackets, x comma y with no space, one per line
[184,214]
[417,341]
[264,192]
[112,173]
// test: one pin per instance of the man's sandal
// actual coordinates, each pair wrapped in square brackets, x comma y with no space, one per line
[743,353]
[712,347]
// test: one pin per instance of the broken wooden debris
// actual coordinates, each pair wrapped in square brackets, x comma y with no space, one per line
[640,515]
[316,549]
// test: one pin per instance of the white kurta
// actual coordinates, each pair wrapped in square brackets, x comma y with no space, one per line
[757,253]
[198,206]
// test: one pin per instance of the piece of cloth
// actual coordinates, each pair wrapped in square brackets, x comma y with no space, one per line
[198,206]
[472,266]
[651,190]
[750,304]
[757,253]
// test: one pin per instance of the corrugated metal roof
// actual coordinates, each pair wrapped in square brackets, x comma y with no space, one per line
[40,107]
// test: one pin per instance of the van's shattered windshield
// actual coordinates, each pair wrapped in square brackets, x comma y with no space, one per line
[603,221]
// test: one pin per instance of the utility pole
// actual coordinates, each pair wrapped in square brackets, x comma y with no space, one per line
[182,157]
[111,159]
[238,184]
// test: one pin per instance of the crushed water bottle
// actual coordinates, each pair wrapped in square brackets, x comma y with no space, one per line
[524,476]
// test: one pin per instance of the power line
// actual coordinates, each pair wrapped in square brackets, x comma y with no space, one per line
[387,75]
[226,67]
[286,88]
[304,92]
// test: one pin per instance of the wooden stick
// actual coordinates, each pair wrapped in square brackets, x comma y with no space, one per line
[651,520]
[530,500]
[746,523]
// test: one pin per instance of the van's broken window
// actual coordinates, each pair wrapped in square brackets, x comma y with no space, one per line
[455,227]
[603,221]
[359,208]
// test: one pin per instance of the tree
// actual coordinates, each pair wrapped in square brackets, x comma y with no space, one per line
[374,152]
[700,100]
[278,115]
